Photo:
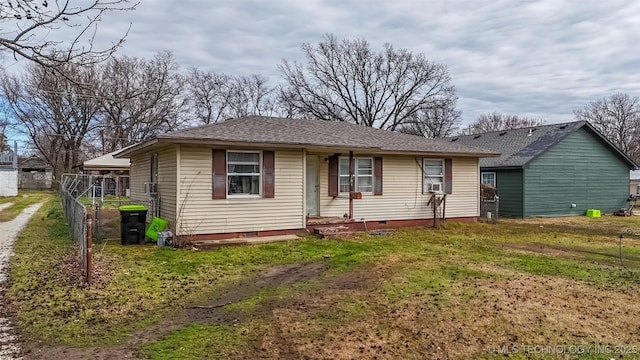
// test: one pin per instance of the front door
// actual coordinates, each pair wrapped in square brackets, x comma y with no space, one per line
[312,186]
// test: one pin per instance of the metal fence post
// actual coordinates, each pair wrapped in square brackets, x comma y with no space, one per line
[88,247]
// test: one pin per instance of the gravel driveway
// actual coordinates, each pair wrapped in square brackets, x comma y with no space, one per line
[9,344]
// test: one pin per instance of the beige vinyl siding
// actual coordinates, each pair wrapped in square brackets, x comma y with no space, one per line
[198,213]
[402,197]
[140,173]
[167,183]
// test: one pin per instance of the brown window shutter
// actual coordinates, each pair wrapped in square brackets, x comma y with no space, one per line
[219,174]
[377,176]
[448,178]
[268,174]
[333,176]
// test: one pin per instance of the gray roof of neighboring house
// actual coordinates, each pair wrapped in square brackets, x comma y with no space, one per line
[520,146]
[311,133]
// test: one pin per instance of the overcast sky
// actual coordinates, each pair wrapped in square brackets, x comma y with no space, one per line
[537,58]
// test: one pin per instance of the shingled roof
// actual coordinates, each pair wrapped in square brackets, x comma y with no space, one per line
[518,147]
[286,132]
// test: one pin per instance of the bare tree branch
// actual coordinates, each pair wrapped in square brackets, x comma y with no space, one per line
[31,29]
[56,113]
[217,97]
[497,122]
[348,81]
[139,98]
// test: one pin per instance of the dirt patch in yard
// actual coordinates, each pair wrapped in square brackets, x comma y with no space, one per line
[210,312]
[458,320]
[608,257]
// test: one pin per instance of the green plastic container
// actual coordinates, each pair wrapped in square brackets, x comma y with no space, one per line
[157,225]
[132,208]
[593,213]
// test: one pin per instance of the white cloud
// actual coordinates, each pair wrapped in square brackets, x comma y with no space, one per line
[540,58]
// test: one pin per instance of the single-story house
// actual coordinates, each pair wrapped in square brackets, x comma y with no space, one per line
[34,173]
[634,182]
[259,176]
[112,174]
[553,170]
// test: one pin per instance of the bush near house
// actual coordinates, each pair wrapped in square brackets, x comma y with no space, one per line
[459,292]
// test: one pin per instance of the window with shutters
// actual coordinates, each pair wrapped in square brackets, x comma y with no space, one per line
[363,175]
[243,173]
[433,176]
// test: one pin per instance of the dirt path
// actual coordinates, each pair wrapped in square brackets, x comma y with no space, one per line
[210,312]
[9,348]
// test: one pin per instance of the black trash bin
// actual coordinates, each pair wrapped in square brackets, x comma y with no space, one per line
[132,224]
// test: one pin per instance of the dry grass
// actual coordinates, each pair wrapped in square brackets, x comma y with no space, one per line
[454,293]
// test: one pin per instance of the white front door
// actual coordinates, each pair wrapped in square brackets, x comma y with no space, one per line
[312,186]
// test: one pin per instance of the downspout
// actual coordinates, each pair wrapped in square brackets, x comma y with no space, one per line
[351,183]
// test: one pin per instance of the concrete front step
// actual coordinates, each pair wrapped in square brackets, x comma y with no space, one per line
[333,232]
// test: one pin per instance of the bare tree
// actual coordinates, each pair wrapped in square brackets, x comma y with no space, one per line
[435,122]
[54,110]
[207,92]
[348,81]
[497,121]
[140,98]
[34,30]
[618,118]
[250,95]
[217,97]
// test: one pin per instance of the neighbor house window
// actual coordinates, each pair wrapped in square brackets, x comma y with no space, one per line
[488,178]
[363,175]
[433,175]
[243,173]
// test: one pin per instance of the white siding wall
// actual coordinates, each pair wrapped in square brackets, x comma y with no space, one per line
[402,197]
[8,182]
[198,213]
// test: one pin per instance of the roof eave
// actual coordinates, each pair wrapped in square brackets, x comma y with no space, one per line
[124,153]
[309,147]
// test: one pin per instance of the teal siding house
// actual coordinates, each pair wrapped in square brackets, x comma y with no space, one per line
[553,170]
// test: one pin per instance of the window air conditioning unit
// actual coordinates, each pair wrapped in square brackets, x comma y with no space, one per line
[150,188]
[436,187]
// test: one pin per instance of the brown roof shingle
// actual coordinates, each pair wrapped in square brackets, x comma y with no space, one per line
[319,133]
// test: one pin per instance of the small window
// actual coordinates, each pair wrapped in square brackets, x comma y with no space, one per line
[488,178]
[363,175]
[243,173]
[433,175]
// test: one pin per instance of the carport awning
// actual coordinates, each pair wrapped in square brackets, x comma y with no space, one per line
[107,162]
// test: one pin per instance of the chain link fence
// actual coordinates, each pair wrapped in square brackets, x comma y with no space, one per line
[489,203]
[490,209]
[83,201]
[80,222]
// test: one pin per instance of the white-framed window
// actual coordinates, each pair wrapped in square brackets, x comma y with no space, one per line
[488,178]
[433,175]
[363,175]
[243,173]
